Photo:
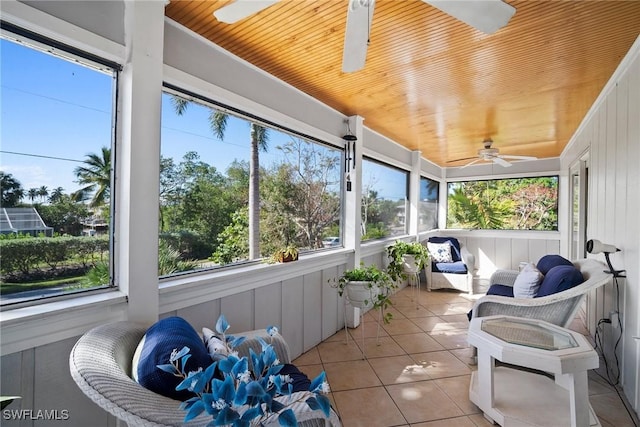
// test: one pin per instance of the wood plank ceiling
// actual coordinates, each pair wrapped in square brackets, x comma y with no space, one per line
[432,83]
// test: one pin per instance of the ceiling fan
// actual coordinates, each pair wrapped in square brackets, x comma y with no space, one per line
[490,154]
[487,16]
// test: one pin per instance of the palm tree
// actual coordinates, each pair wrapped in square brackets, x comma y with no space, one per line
[259,141]
[56,195]
[471,211]
[32,193]
[95,178]
[43,192]
[11,191]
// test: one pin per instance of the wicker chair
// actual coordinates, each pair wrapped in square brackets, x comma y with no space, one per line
[100,364]
[559,308]
[439,276]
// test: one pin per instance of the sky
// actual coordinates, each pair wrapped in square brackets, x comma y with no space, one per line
[55,112]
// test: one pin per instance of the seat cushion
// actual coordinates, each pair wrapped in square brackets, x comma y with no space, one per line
[501,290]
[547,262]
[558,279]
[457,267]
[157,345]
[455,246]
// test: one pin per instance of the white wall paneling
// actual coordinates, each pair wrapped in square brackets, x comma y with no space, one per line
[312,309]
[268,306]
[292,315]
[611,134]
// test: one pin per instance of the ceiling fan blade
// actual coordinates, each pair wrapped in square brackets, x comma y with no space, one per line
[463,158]
[506,156]
[240,9]
[502,162]
[487,16]
[472,163]
[356,35]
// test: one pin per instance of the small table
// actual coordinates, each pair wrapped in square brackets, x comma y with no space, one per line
[512,396]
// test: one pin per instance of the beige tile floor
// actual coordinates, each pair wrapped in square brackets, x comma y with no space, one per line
[419,373]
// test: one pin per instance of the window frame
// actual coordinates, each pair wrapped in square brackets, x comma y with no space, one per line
[438,202]
[506,177]
[99,63]
[210,100]
[407,201]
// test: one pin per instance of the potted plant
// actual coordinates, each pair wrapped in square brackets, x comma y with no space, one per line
[406,258]
[366,287]
[285,254]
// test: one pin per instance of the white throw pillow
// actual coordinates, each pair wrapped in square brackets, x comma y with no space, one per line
[440,252]
[528,282]
[218,350]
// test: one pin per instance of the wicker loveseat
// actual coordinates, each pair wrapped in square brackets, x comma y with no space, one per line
[100,364]
[559,308]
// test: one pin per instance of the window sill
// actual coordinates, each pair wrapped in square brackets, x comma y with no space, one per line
[41,324]
[188,290]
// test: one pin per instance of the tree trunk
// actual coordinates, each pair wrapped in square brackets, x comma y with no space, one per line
[254,197]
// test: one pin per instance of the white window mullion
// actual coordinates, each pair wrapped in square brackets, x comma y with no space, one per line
[138,155]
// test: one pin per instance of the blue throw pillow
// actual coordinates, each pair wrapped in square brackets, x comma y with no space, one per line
[500,290]
[157,344]
[558,279]
[547,262]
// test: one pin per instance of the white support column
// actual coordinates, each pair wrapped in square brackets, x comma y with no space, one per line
[353,198]
[442,203]
[414,194]
[138,159]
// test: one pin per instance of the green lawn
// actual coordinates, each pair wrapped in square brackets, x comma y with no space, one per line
[7,288]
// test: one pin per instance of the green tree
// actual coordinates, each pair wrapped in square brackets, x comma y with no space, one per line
[515,204]
[195,199]
[259,142]
[535,205]
[301,194]
[65,215]
[11,191]
[233,241]
[95,177]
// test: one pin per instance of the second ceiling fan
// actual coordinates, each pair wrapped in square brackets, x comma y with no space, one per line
[489,154]
[487,16]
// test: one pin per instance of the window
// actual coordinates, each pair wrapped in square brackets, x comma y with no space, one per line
[506,204]
[57,136]
[384,200]
[428,208]
[209,154]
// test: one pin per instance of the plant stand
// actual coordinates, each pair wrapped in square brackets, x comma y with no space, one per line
[361,302]
[410,267]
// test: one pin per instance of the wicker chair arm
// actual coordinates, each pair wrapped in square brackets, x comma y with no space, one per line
[503,277]
[468,258]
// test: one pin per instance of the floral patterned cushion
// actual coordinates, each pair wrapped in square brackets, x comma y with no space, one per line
[440,252]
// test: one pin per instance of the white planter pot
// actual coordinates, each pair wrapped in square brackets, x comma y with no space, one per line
[360,294]
[409,264]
